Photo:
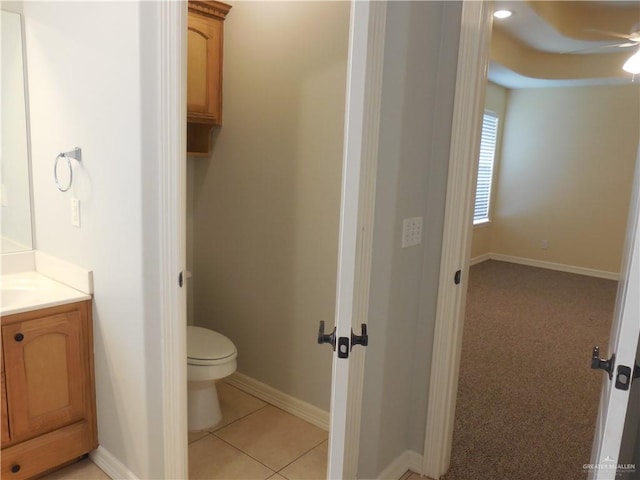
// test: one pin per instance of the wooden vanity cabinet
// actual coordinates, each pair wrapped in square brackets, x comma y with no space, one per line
[204,72]
[5,416]
[48,389]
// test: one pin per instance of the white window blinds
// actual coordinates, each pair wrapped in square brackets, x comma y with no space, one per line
[485,166]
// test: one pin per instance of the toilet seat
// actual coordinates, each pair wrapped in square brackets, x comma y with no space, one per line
[206,347]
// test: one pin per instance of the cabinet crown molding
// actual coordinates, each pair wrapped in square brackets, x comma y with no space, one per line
[209,8]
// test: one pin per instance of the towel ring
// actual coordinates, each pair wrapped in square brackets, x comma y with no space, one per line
[76,154]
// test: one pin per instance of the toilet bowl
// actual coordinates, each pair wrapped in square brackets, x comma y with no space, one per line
[210,357]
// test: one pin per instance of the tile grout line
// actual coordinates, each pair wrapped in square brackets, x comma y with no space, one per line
[266,404]
[248,455]
[259,461]
[302,455]
[239,418]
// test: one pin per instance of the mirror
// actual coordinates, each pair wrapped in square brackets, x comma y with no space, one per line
[15,179]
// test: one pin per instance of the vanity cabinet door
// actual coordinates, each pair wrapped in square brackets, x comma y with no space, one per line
[5,417]
[46,361]
[204,69]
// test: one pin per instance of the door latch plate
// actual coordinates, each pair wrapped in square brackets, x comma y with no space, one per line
[623,377]
[343,347]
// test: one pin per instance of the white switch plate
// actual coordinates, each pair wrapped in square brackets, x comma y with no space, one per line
[75,212]
[411,232]
[544,244]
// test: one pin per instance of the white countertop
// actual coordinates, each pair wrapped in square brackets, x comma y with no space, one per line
[30,290]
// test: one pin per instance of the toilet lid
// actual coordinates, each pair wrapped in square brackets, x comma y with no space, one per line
[205,344]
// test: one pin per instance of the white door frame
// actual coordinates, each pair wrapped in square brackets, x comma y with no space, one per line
[366,210]
[360,159]
[172,193]
[172,161]
[471,78]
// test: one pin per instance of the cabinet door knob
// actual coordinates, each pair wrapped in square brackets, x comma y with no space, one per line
[18,338]
[15,468]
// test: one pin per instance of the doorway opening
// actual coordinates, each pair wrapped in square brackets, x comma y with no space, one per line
[439,460]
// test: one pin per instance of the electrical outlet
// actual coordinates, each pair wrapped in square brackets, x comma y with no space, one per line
[544,244]
[75,212]
[411,232]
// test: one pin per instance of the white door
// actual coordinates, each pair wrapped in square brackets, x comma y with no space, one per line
[623,344]
[363,70]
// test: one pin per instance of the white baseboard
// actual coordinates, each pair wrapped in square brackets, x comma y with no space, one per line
[292,405]
[110,465]
[561,267]
[479,259]
[408,460]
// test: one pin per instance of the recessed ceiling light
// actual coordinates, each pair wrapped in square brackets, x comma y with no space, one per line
[502,13]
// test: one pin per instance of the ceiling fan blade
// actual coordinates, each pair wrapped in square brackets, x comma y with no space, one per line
[611,34]
[599,47]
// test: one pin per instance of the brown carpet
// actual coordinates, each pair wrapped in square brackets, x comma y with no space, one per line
[527,399]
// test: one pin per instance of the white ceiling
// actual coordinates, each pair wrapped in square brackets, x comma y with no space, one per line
[531,29]
[510,79]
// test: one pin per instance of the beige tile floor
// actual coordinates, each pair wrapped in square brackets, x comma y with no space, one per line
[254,441]
[82,470]
[258,441]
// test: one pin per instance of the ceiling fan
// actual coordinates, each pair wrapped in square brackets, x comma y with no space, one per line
[632,65]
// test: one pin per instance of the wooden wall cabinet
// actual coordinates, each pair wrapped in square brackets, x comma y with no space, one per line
[48,389]
[204,72]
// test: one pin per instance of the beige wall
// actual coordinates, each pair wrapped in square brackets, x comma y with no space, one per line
[419,73]
[266,204]
[481,243]
[496,98]
[565,175]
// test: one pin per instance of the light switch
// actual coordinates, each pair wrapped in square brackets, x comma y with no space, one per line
[75,212]
[411,232]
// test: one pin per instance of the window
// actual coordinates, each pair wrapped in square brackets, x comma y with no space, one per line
[485,167]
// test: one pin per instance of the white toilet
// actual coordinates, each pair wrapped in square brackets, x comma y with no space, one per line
[210,357]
